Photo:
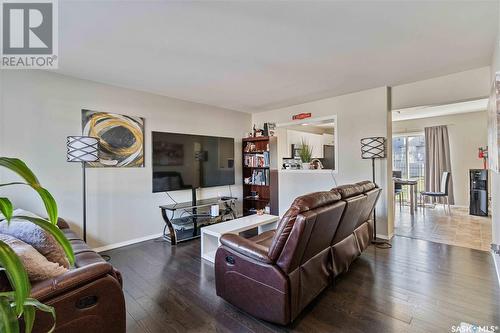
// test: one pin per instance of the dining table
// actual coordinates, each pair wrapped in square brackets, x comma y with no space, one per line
[412,184]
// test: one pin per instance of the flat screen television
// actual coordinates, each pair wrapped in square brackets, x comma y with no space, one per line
[185,161]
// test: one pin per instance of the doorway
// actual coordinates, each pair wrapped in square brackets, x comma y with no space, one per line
[466,133]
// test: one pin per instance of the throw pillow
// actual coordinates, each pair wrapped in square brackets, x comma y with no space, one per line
[19,212]
[36,265]
[23,212]
[35,236]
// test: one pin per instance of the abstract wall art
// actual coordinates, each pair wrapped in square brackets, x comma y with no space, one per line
[121,138]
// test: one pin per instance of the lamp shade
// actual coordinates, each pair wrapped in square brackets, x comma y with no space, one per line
[373,147]
[82,149]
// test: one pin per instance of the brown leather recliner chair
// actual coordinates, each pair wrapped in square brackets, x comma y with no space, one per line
[274,275]
[88,298]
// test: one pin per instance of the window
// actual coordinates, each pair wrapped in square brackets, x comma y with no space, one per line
[408,156]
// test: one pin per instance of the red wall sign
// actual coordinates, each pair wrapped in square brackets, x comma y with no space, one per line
[301,116]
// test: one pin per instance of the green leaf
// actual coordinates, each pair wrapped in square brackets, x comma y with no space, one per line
[42,307]
[16,274]
[54,231]
[47,198]
[8,318]
[30,307]
[6,208]
[49,202]
[13,183]
[305,152]
[20,168]
[29,317]
[8,294]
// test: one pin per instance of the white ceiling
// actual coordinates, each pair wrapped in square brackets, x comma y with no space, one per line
[258,55]
[318,128]
[428,111]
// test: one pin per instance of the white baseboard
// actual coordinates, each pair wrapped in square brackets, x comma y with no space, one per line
[496,260]
[385,236]
[129,242]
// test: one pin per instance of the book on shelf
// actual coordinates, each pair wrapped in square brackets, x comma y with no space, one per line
[253,197]
[252,211]
[259,177]
[257,160]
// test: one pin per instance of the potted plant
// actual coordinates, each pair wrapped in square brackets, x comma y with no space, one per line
[305,154]
[17,304]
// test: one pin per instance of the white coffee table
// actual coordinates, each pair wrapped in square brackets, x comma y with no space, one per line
[211,234]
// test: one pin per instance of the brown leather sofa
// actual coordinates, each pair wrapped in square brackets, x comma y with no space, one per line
[88,298]
[274,275]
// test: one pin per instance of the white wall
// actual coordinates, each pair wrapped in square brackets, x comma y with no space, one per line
[39,109]
[467,132]
[316,141]
[2,121]
[495,179]
[359,115]
[462,86]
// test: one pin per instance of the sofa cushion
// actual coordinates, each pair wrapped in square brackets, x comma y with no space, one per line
[36,265]
[264,239]
[35,236]
[344,253]
[347,191]
[367,185]
[371,199]
[313,200]
[19,211]
[363,235]
[301,204]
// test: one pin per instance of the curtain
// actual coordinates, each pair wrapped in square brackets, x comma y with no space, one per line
[437,160]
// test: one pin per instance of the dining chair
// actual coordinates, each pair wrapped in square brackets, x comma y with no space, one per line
[443,192]
[398,188]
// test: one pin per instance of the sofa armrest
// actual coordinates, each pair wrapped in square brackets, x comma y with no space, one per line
[62,224]
[70,280]
[118,276]
[246,247]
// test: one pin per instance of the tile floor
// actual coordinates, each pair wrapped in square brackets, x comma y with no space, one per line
[459,229]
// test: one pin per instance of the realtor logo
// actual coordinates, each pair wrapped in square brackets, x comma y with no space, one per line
[29,34]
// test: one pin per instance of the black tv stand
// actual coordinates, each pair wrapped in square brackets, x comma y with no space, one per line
[184,227]
[194,210]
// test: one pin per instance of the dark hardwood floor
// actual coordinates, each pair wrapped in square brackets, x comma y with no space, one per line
[417,286]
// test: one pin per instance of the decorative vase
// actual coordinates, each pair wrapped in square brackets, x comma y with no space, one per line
[306,165]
